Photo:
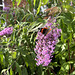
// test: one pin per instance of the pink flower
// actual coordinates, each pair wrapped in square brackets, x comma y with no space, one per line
[45,45]
[6,31]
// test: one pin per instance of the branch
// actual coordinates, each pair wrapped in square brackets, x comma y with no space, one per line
[69,57]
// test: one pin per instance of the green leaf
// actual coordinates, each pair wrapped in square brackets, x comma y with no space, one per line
[18,2]
[73,25]
[14,55]
[38,9]
[45,1]
[32,26]
[4,71]
[70,37]
[62,37]
[1,57]
[70,62]
[31,62]
[34,2]
[73,73]
[26,64]
[24,71]
[65,67]
[8,72]
[42,72]
[13,2]
[11,72]
[18,69]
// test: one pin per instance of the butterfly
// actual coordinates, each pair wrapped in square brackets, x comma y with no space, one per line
[45,30]
[52,11]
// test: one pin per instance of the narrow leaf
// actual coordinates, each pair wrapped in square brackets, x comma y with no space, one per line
[34,2]
[38,9]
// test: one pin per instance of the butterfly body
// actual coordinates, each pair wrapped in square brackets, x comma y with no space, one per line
[45,30]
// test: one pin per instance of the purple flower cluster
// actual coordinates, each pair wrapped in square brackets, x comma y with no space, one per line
[6,9]
[6,31]
[71,4]
[45,45]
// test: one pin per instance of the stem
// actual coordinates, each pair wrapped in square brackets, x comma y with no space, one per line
[12,64]
[48,71]
[69,57]
[72,69]
[73,59]
[52,71]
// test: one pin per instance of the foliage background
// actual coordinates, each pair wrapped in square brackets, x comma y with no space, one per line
[17,56]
